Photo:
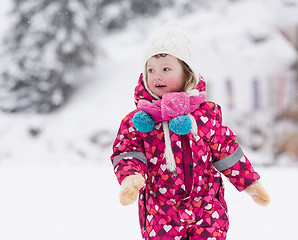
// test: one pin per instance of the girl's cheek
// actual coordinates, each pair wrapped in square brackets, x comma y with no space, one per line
[149,83]
[175,83]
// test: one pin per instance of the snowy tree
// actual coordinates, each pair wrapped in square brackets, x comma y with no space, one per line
[114,14]
[48,42]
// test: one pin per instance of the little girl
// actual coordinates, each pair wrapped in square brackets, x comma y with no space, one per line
[173,148]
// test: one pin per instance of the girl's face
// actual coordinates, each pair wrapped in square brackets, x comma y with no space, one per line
[164,74]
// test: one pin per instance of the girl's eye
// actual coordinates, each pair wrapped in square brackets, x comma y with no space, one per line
[150,70]
[166,69]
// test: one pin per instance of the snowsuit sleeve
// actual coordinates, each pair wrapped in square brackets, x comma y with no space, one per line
[128,156]
[228,156]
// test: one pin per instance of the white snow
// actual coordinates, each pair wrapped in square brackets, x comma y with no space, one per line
[60,184]
[81,202]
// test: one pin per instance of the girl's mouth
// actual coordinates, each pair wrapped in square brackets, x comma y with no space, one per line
[160,86]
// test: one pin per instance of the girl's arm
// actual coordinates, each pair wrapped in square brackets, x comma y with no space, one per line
[128,156]
[229,159]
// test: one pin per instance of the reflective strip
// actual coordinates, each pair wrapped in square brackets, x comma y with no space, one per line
[229,161]
[140,156]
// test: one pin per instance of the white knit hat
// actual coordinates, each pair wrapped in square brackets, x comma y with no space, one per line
[171,39]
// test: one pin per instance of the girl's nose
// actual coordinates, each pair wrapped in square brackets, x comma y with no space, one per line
[158,76]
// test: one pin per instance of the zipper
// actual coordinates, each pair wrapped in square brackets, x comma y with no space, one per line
[145,209]
[191,170]
[187,163]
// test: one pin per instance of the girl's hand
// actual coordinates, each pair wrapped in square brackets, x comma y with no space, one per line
[130,187]
[258,193]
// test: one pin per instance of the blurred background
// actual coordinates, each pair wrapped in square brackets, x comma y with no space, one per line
[68,71]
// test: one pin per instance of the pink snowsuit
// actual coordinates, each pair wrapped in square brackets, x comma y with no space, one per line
[189,204]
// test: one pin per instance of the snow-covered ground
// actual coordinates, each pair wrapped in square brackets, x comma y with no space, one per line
[60,184]
[81,202]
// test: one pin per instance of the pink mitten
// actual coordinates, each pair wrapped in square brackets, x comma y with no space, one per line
[130,187]
[258,193]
